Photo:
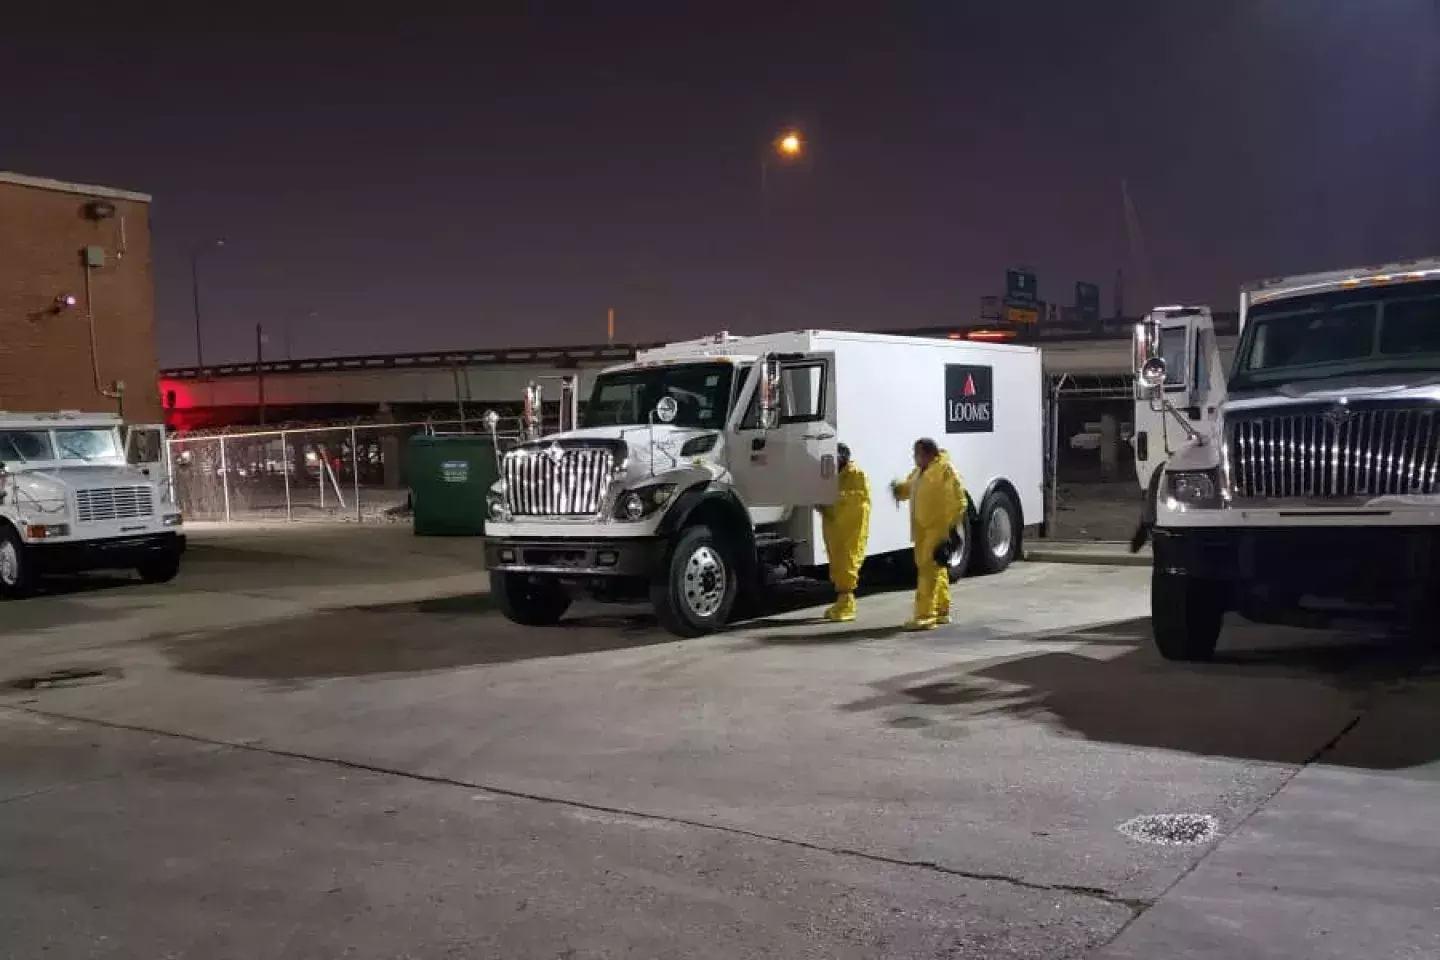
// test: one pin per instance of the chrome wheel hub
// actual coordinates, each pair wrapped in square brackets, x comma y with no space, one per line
[957,556]
[1000,533]
[9,564]
[703,582]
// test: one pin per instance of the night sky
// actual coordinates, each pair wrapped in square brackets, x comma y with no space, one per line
[428,181]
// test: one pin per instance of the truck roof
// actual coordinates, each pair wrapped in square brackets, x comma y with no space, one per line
[14,420]
[725,346]
[1405,271]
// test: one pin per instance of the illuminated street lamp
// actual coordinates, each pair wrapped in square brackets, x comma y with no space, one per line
[788,146]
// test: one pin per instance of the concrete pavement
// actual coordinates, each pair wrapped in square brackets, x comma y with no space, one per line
[325,743]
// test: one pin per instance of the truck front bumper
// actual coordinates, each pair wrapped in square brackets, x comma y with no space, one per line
[640,557]
[1360,563]
[113,553]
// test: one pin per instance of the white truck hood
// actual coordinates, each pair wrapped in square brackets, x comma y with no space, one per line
[644,459]
[1374,386]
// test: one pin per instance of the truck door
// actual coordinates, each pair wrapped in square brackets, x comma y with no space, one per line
[147,449]
[789,462]
[1194,382]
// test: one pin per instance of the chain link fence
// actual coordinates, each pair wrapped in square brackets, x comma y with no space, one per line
[320,473]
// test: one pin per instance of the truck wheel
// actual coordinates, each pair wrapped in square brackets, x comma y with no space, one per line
[17,576]
[697,587]
[997,540]
[528,601]
[964,555]
[1185,615]
[161,569]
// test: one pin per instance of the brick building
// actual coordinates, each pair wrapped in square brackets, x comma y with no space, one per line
[77,299]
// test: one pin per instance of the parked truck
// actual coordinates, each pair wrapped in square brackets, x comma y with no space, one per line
[1306,484]
[692,478]
[80,491]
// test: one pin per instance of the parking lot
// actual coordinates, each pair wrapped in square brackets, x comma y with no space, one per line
[321,741]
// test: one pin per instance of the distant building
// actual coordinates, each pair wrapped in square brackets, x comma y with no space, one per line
[77,299]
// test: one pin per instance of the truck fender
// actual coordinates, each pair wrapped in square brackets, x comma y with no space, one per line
[719,508]
[1004,486]
[1148,508]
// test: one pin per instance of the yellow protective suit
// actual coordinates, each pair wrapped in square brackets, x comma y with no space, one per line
[937,502]
[846,525]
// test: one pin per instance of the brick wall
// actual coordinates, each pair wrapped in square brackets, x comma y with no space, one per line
[45,355]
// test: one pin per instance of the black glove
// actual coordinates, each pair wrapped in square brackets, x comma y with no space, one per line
[947,549]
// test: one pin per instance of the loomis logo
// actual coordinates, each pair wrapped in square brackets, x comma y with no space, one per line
[969,399]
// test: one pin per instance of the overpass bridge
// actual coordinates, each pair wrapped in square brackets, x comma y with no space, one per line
[463,383]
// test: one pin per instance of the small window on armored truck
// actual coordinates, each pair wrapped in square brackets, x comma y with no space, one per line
[144,446]
[802,392]
[801,399]
[1175,349]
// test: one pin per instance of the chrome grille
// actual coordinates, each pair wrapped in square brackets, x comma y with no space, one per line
[113,503]
[554,481]
[1325,455]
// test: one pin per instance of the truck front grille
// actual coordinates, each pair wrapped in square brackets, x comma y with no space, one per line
[555,481]
[113,503]
[1335,453]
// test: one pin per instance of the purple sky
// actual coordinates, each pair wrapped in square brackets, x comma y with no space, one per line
[501,179]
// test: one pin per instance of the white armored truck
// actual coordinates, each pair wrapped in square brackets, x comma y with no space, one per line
[693,475]
[1305,485]
[79,491]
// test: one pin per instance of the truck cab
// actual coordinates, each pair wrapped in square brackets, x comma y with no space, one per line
[83,492]
[683,483]
[1306,484]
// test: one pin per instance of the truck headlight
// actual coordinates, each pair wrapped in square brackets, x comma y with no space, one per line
[1194,488]
[496,507]
[641,502]
[173,520]
[46,531]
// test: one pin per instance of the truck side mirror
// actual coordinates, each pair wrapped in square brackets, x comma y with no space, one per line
[770,394]
[1147,355]
[1152,376]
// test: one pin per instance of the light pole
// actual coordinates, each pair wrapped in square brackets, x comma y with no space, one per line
[788,146]
[195,287]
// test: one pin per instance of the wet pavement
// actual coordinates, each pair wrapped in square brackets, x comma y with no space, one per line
[324,742]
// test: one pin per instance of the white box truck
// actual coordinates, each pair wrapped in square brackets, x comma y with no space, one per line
[1307,483]
[80,491]
[693,475]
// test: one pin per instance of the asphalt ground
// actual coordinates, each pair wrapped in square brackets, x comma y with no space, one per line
[322,741]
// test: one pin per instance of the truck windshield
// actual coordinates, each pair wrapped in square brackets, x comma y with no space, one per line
[87,444]
[1369,330]
[23,446]
[627,398]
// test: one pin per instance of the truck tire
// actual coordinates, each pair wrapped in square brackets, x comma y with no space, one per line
[696,589]
[997,533]
[1186,614]
[964,557]
[159,569]
[528,601]
[17,573]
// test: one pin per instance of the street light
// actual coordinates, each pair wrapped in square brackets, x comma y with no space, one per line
[787,146]
[195,285]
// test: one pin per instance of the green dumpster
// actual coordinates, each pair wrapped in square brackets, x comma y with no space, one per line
[449,477]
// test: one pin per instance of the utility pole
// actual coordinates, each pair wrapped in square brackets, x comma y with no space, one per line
[195,289]
[260,369]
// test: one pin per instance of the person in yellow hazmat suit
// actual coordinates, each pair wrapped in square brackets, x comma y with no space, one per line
[937,502]
[846,525]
